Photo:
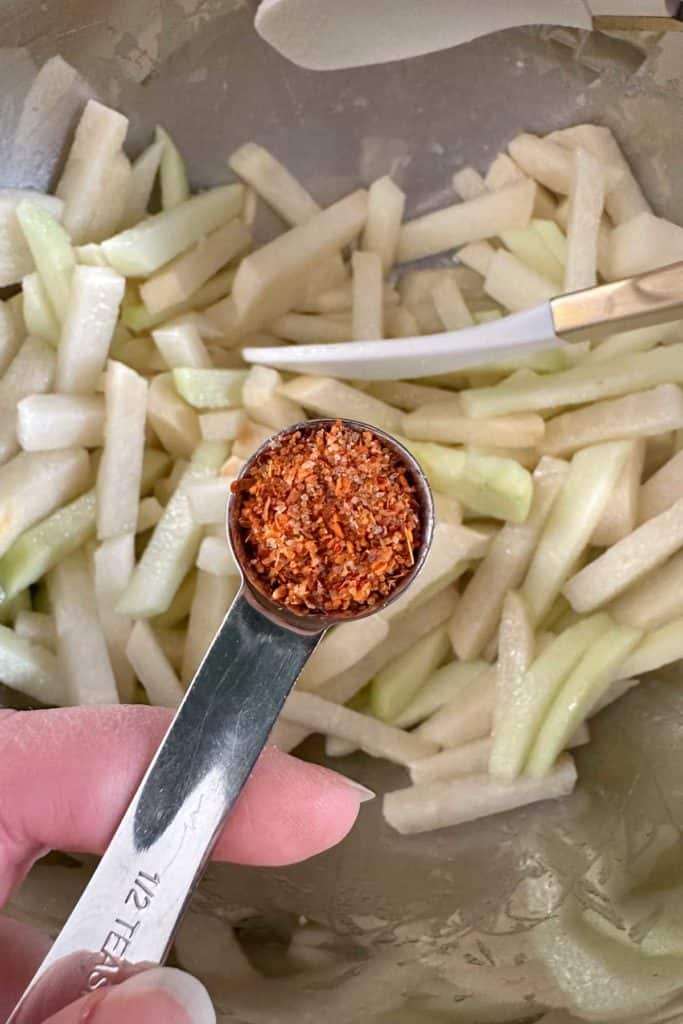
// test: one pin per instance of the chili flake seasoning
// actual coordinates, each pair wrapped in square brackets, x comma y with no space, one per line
[329,521]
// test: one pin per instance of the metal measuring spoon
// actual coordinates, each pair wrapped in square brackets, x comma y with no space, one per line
[129,912]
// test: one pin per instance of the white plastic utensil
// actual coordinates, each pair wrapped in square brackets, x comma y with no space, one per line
[646,300]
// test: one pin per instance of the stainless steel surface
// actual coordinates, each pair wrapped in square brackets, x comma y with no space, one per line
[129,913]
[642,301]
[469,924]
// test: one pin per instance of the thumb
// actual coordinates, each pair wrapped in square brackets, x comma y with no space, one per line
[161,995]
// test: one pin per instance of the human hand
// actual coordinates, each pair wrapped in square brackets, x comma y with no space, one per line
[66,778]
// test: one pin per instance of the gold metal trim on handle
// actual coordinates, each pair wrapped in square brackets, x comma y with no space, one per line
[636,23]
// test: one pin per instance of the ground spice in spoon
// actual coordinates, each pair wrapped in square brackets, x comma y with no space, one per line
[330,523]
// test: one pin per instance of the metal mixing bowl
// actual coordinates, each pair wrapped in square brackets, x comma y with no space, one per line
[469,924]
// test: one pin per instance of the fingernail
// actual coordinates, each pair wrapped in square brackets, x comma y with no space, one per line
[365,793]
[182,989]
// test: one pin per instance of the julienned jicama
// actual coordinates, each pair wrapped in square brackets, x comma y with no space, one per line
[126,412]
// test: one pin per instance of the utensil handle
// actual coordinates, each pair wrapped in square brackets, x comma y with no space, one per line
[128,914]
[643,301]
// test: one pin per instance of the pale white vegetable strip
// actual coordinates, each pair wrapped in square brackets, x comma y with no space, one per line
[286,735]
[648,547]
[9,337]
[644,243]
[579,694]
[120,470]
[140,250]
[441,688]
[173,421]
[662,646]
[178,281]
[395,685]
[516,645]
[250,438]
[273,183]
[642,414]
[400,323]
[209,500]
[468,716]
[109,211]
[37,628]
[472,221]
[386,204]
[552,237]
[469,184]
[90,255]
[655,600]
[470,759]
[99,137]
[164,488]
[150,512]
[216,558]
[620,515]
[31,371]
[528,246]
[442,422]
[450,305]
[210,389]
[52,253]
[263,402]
[31,668]
[406,395]
[152,667]
[477,256]
[662,489]
[34,484]
[141,184]
[585,215]
[537,690]
[173,546]
[334,300]
[552,165]
[268,280]
[515,285]
[113,562]
[174,187]
[367,317]
[16,260]
[81,645]
[334,747]
[415,292]
[222,426]
[93,309]
[182,345]
[37,311]
[172,642]
[593,473]
[343,647]
[502,171]
[46,422]
[456,801]
[311,329]
[580,385]
[641,340]
[373,737]
[200,322]
[328,397]
[212,597]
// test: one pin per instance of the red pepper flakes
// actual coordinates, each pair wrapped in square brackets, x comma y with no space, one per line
[330,523]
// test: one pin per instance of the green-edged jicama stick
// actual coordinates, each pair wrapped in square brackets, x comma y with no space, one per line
[52,253]
[173,546]
[212,597]
[31,372]
[516,645]
[397,683]
[172,175]
[152,667]
[48,422]
[39,317]
[441,688]
[455,801]
[120,469]
[579,693]
[16,260]
[31,668]
[210,389]
[113,563]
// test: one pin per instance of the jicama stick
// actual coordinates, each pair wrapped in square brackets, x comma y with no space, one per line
[37,310]
[442,422]
[120,469]
[249,440]
[311,329]
[395,685]
[46,422]
[580,385]
[222,426]
[538,689]
[655,600]
[172,643]
[273,183]
[31,372]
[141,183]
[172,549]
[529,247]
[135,316]
[472,221]
[209,500]
[9,337]
[150,511]
[553,238]
[579,694]
[342,648]
[406,395]
[40,548]
[92,312]
[447,683]
[663,488]
[477,256]
[113,566]
[81,644]
[16,260]
[52,253]
[586,204]
[152,667]
[216,558]
[212,597]
[262,401]
[367,319]
[180,606]
[647,548]
[593,473]
[661,647]
[552,165]
[504,566]
[31,668]
[164,488]
[286,735]
[268,280]
[450,305]
[109,212]
[37,628]
[210,389]
[620,515]
[644,243]
[640,340]
[502,171]
[468,716]
[328,397]
[515,654]
[469,184]
[174,422]
[173,178]
[386,203]
[182,345]
[456,801]
[373,737]
[515,285]
[179,280]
